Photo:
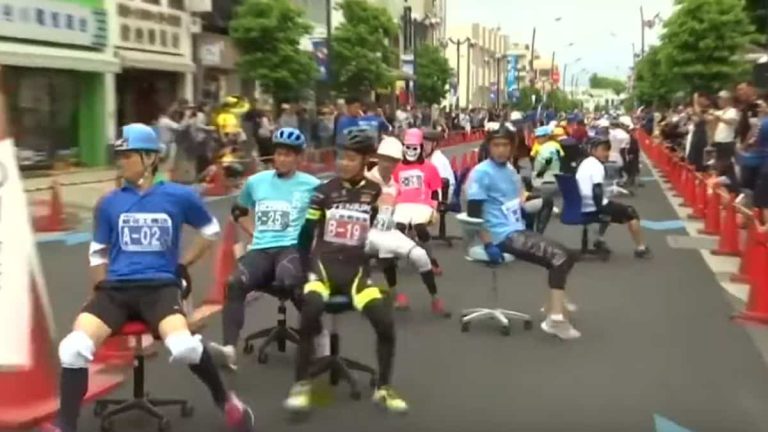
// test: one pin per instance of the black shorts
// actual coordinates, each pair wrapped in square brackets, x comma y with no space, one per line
[116,302]
[617,213]
[270,270]
[332,275]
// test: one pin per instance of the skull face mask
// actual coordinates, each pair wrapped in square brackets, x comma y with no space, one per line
[411,152]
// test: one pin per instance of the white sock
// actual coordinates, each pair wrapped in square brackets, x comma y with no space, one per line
[557,317]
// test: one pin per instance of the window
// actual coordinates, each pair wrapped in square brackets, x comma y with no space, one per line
[125,33]
[163,38]
[152,37]
[176,4]
[175,40]
[152,2]
[139,35]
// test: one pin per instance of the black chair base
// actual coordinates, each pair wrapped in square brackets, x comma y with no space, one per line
[340,368]
[603,254]
[140,402]
[441,232]
[280,335]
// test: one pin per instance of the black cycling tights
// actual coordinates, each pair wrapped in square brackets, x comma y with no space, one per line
[378,313]
[536,249]
[422,234]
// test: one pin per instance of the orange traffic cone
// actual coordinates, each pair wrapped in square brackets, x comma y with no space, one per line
[689,186]
[712,214]
[700,204]
[223,266]
[748,255]
[757,303]
[218,184]
[728,244]
[55,219]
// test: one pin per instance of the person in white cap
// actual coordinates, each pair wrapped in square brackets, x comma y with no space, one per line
[388,243]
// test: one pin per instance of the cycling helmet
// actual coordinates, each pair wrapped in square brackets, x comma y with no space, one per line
[502,132]
[290,137]
[543,131]
[138,137]
[413,136]
[598,141]
[360,140]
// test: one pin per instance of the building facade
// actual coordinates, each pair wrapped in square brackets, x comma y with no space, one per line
[57,57]
[479,64]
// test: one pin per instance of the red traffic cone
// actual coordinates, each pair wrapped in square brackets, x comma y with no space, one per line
[466,162]
[55,219]
[700,202]
[30,395]
[748,255]
[728,244]
[473,158]
[689,186]
[757,303]
[223,266]
[218,184]
[712,214]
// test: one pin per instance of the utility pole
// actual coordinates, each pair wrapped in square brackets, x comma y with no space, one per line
[466,41]
[642,33]
[328,30]
[530,61]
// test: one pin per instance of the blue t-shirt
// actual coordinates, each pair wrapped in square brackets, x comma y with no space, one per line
[143,231]
[376,124]
[279,207]
[344,124]
[498,186]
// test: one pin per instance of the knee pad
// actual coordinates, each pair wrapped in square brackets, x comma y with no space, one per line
[422,233]
[184,347]
[632,213]
[76,350]
[420,259]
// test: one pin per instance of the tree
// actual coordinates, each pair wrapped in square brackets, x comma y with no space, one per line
[268,34]
[653,83]
[704,42]
[530,97]
[602,82]
[433,74]
[362,56]
[757,11]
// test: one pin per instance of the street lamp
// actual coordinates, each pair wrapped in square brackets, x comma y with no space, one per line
[499,57]
[459,42]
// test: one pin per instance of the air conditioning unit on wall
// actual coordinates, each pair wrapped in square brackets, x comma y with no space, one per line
[199,6]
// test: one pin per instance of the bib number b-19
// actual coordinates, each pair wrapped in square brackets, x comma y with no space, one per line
[346,227]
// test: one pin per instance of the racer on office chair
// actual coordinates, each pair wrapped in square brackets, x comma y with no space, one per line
[279,200]
[496,195]
[138,271]
[419,187]
[387,242]
[340,215]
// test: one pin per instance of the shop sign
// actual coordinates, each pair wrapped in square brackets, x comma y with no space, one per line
[151,28]
[217,51]
[66,22]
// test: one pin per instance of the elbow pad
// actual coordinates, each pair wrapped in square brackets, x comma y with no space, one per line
[475,209]
[597,195]
[237,211]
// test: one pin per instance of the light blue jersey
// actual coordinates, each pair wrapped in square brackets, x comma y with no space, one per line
[278,206]
[498,186]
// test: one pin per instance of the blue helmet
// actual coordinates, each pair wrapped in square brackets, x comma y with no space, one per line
[138,137]
[290,137]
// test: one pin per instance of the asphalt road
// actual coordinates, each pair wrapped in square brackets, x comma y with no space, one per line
[656,341]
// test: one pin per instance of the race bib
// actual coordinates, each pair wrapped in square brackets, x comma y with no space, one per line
[346,227]
[273,215]
[412,179]
[514,213]
[384,221]
[145,232]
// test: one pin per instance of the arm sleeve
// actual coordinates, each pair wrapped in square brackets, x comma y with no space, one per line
[475,208]
[597,195]
[315,214]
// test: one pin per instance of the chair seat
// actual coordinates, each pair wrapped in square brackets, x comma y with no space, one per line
[477,253]
[133,328]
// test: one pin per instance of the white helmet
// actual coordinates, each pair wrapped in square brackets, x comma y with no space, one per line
[392,147]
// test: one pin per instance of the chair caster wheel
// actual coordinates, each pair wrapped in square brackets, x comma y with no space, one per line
[262,358]
[355,395]
[99,409]
[187,410]
[107,426]
[464,327]
[248,348]
[164,425]
[506,330]
[527,325]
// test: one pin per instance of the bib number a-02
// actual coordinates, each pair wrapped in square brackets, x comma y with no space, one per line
[145,232]
[273,216]
[346,227]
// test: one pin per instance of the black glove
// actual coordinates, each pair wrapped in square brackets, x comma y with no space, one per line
[186,280]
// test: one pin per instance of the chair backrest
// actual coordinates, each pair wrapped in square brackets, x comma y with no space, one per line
[475,251]
[569,189]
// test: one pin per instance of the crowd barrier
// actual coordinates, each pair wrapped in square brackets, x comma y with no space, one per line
[736,227]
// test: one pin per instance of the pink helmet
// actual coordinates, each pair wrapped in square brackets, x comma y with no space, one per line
[413,136]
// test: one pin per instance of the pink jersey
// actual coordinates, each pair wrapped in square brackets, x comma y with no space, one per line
[417,183]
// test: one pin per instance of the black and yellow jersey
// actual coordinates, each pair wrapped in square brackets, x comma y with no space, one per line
[343,214]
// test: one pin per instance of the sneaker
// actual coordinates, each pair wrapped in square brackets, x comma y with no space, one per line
[438,308]
[323,344]
[402,302]
[224,355]
[560,328]
[299,398]
[643,252]
[238,415]
[387,398]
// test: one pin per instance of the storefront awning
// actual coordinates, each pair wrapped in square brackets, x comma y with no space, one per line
[41,56]
[153,61]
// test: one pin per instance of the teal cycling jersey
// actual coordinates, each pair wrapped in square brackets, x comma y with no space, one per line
[499,187]
[278,206]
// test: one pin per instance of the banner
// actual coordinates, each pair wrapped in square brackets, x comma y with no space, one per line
[513,91]
[320,50]
[494,88]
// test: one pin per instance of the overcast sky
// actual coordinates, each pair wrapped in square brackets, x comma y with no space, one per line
[602,31]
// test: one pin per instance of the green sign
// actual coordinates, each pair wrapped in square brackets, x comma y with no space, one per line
[86,3]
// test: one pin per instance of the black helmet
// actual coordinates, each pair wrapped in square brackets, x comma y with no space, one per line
[360,140]
[598,141]
[501,132]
